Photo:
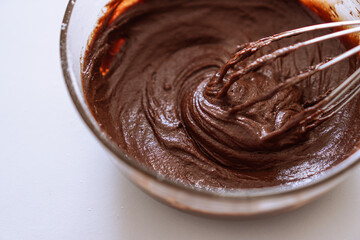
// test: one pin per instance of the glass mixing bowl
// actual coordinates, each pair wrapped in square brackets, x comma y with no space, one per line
[79,22]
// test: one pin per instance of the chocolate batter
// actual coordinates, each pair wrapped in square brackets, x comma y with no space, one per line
[150,77]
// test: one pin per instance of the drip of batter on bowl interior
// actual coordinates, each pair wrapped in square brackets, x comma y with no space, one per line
[148,79]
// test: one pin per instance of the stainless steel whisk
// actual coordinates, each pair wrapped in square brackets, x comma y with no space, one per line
[323,109]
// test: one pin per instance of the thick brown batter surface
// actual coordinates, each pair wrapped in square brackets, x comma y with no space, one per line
[149,81]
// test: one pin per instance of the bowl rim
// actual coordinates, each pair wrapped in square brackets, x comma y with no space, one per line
[351,162]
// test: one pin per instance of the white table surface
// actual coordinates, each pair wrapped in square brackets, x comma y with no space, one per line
[56,181]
